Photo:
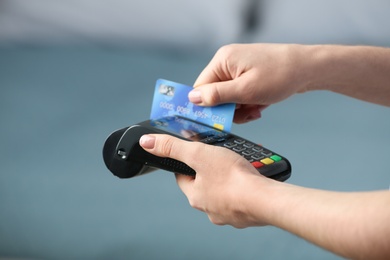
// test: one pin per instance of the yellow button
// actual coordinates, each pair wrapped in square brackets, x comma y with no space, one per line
[267,161]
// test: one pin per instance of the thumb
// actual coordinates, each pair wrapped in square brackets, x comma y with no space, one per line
[171,147]
[212,94]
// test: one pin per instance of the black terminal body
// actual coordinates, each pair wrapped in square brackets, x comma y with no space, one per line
[125,158]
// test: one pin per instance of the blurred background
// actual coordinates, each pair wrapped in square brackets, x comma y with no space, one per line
[73,71]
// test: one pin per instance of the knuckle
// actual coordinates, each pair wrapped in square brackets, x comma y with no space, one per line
[226,50]
[167,147]
[195,204]
[215,94]
[216,221]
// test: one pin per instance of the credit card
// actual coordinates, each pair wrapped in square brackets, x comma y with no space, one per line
[171,99]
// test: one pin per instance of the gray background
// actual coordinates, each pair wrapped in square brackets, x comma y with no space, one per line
[58,201]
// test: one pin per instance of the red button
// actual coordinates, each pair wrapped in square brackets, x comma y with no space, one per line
[257,164]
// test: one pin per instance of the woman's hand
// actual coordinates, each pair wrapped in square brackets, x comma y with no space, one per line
[224,183]
[253,76]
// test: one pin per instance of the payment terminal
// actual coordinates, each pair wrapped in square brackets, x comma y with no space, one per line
[125,158]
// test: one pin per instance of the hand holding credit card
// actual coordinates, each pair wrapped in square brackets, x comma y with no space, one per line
[173,114]
[171,99]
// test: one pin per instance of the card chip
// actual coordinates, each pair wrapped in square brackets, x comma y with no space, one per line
[218,126]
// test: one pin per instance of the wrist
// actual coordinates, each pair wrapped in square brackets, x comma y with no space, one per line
[319,67]
[262,206]
[307,67]
[338,68]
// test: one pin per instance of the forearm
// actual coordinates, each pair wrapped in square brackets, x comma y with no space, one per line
[361,72]
[354,225]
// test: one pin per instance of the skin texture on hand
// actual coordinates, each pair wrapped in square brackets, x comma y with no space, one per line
[257,75]
[230,181]
[253,76]
[353,225]
[227,187]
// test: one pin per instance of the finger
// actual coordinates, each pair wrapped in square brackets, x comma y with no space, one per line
[172,147]
[185,183]
[213,72]
[247,113]
[212,94]
[208,75]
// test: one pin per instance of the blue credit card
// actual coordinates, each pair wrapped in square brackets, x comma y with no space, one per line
[171,99]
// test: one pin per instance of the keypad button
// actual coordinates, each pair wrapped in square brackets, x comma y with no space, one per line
[258,157]
[257,149]
[230,145]
[249,159]
[248,145]
[276,158]
[257,164]
[266,153]
[239,149]
[239,141]
[267,161]
[248,152]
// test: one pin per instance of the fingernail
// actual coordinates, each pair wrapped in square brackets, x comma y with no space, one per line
[147,141]
[195,96]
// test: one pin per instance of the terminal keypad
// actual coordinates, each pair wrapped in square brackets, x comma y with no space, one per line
[255,154]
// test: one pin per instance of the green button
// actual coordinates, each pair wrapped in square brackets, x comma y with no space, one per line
[276,158]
